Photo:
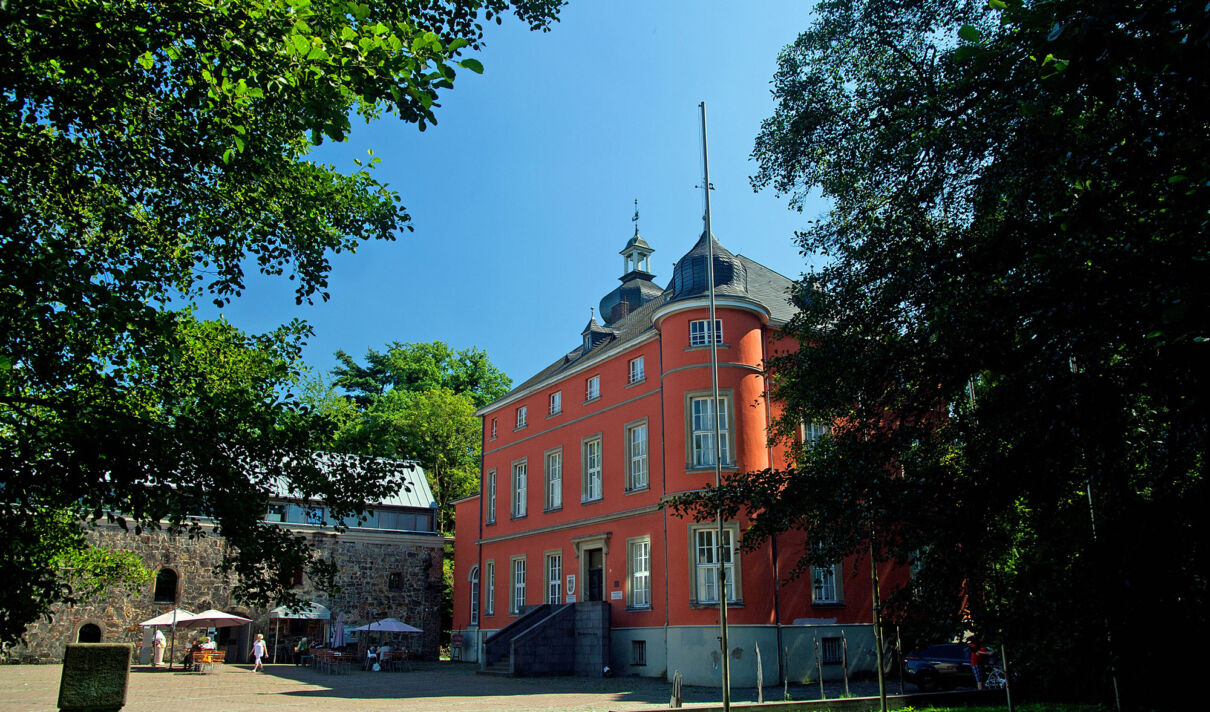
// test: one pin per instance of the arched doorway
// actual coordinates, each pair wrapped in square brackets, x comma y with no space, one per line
[89,633]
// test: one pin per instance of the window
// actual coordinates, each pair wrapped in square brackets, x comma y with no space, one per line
[813,431]
[830,651]
[521,417]
[490,569]
[474,595]
[636,456]
[591,484]
[520,475]
[556,402]
[554,479]
[493,435]
[638,652]
[636,370]
[395,581]
[592,388]
[516,593]
[706,555]
[291,578]
[825,584]
[276,513]
[698,335]
[554,578]
[315,515]
[701,430]
[165,586]
[490,515]
[639,563]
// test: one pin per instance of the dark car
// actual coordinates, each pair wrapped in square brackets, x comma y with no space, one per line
[943,665]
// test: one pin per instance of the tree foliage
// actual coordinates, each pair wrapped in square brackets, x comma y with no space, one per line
[150,152]
[1010,335]
[417,402]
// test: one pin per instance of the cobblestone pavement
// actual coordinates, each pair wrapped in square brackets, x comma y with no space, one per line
[432,687]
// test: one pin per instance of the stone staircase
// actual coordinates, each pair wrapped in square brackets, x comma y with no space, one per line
[559,639]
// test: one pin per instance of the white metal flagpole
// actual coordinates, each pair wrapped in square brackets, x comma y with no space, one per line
[713,335]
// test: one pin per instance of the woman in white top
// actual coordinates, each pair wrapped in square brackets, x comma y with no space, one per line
[259,651]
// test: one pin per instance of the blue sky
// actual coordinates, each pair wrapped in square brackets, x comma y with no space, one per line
[522,195]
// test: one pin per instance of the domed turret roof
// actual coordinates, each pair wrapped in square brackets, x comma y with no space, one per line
[689,275]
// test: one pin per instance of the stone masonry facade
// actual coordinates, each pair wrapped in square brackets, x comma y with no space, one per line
[381,574]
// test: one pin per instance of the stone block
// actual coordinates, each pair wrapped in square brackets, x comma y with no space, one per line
[95,677]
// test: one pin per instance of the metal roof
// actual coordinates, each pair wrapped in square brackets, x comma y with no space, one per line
[415,492]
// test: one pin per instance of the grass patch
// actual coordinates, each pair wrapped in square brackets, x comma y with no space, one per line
[1029,707]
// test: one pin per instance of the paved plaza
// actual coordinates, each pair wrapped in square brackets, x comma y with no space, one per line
[431,687]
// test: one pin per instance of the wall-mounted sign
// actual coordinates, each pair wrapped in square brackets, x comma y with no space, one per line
[571,585]
[615,595]
[571,598]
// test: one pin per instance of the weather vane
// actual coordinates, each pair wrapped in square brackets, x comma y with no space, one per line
[635,219]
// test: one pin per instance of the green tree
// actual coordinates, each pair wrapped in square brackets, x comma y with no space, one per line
[417,402]
[149,154]
[421,367]
[1010,336]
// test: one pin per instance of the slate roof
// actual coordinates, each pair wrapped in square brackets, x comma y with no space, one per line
[742,277]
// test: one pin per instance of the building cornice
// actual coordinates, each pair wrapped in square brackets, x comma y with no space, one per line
[586,522]
[724,302]
[589,364]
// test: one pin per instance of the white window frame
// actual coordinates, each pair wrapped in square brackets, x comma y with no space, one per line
[826,585]
[516,589]
[810,432]
[638,570]
[474,580]
[699,427]
[556,403]
[698,329]
[490,515]
[703,569]
[554,577]
[522,417]
[490,583]
[638,460]
[520,488]
[592,388]
[493,431]
[637,370]
[591,467]
[554,478]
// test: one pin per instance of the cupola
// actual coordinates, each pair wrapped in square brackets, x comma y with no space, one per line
[637,287]
[689,274]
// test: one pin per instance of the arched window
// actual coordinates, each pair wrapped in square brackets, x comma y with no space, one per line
[165,586]
[474,595]
[89,633]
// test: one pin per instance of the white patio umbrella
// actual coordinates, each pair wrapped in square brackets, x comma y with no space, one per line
[172,618]
[389,625]
[310,611]
[215,619]
[338,636]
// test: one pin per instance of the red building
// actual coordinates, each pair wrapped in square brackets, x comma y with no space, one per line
[578,459]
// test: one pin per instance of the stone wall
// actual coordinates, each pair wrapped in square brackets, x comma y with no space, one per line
[366,561]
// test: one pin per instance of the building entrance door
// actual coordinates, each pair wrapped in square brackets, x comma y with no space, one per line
[595,590]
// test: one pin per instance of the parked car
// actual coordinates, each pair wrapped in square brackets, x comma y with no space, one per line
[942,665]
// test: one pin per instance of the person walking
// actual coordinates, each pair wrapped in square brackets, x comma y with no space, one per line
[979,660]
[259,651]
